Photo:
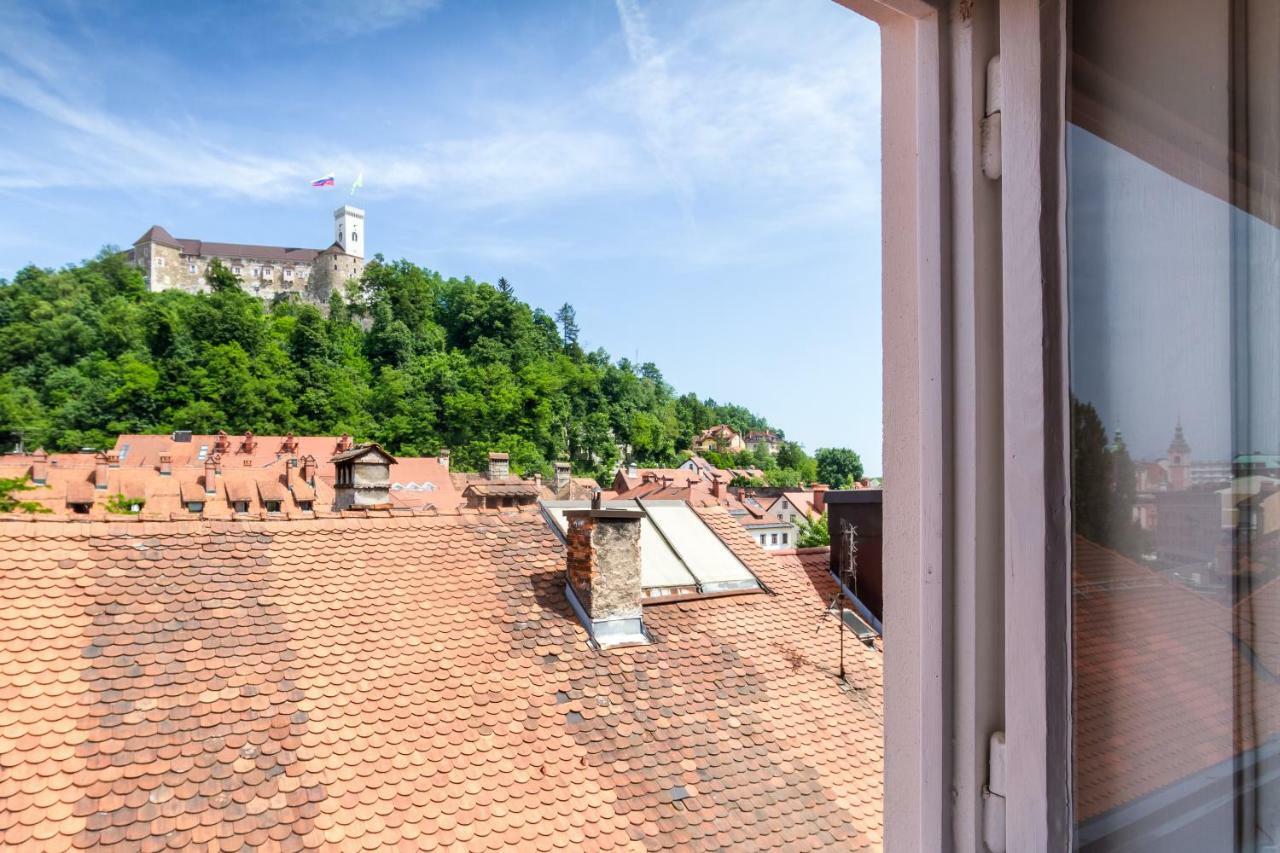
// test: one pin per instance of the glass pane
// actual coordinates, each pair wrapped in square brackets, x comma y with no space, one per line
[1173,152]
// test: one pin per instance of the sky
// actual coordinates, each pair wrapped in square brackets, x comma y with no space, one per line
[699,179]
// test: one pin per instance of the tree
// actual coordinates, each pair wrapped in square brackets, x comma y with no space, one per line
[220,278]
[505,288]
[838,467]
[567,318]
[10,502]
[814,533]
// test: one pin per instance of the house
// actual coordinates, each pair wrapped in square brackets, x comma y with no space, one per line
[362,478]
[170,263]
[721,438]
[766,437]
[421,682]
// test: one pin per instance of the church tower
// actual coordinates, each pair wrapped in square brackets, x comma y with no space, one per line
[348,226]
[1179,461]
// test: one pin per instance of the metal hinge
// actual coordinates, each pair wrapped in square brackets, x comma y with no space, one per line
[990,127]
[993,794]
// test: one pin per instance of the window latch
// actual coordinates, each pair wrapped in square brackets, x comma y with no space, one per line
[993,794]
[990,126]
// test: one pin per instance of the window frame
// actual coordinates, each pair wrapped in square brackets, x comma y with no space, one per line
[975,423]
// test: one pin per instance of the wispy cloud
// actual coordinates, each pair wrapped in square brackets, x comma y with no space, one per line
[321,20]
[749,99]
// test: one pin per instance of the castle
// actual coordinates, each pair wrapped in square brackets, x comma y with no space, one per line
[266,271]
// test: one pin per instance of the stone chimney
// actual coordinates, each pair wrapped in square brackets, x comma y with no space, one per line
[499,465]
[602,570]
[166,464]
[820,498]
[443,458]
[39,467]
[100,471]
[564,476]
[212,464]
[308,470]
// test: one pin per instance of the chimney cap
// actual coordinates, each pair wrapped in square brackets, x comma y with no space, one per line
[562,465]
[499,457]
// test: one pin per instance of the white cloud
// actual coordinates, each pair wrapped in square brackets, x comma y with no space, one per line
[759,98]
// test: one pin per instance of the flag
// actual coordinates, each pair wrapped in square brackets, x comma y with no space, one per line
[359,182]
[326,181]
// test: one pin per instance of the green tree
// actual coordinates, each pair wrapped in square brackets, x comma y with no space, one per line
[567,318]
[814,533]
[838,467]
[9,500]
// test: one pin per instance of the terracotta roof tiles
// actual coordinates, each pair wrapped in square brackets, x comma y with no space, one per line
[371,683]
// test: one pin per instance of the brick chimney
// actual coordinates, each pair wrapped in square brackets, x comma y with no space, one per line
[820,498]
[40,467]
[212,464]
[100,471]
[166,464]
[289,446]
[717,488]
[443,458]
[344,443]
[221,444]
[499,465]
[113,459]
[602,570]
[564,476]
[309,469]
[248,443]
[537,479]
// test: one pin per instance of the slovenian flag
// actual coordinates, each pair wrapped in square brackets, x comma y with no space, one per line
[326,181]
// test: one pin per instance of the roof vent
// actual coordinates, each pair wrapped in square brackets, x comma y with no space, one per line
[602,569]
[182,436]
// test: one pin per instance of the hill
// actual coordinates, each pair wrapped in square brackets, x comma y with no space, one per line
[407,358]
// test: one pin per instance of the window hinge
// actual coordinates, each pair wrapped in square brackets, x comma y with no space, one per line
[990,127]
[993,797]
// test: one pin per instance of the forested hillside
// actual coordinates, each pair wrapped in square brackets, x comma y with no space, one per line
[87,352]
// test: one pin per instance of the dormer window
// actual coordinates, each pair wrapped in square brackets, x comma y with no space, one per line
[272,506]
[240,506]
[306,506]
[80,508]
[195,506]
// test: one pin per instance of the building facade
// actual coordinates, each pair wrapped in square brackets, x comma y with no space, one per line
[172,263]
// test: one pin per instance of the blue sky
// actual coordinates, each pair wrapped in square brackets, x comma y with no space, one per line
[699,179]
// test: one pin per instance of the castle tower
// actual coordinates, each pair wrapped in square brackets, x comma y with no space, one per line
[1179,461]
[348,227]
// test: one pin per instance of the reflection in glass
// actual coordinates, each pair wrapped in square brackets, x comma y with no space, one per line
[1173,164]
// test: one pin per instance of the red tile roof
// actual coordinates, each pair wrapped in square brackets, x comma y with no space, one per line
[375,683]
[1155,676]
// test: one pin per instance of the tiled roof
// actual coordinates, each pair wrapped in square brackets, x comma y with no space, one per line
[410,682]
[208,249]
[1156,676]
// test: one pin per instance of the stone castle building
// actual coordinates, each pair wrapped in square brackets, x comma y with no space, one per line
[181,263]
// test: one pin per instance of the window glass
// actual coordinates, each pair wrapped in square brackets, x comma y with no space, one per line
[1173,190]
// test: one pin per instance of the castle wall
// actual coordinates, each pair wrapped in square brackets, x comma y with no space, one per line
[167,268]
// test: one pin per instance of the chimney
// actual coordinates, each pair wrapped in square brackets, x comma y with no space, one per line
[40,467]
[113,459]
[443,458]
[248,443]
[289,446]
[632,471]
[717,490]
[309,470]
[602,570]
[499,465]
[345,443]
[212,463]
[537,479]
[100,471]
[564,475]
[221,444]
[820,498]
[166,464]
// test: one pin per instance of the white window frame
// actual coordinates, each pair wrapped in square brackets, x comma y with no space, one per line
[976,496]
